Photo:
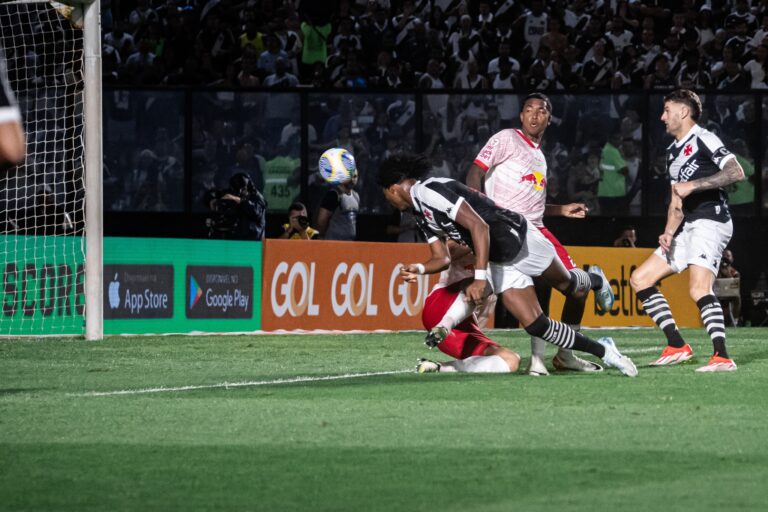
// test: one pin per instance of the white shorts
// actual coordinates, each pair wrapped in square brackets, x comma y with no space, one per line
[700,243]
[534,258]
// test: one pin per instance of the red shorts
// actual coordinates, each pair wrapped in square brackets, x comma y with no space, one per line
[466,339]
[559,249]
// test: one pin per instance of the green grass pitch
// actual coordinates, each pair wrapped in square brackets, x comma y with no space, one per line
[670,439]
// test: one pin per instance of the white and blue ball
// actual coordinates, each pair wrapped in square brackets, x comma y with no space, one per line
[337,166]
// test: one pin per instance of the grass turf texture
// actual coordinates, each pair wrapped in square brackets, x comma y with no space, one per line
[670,439]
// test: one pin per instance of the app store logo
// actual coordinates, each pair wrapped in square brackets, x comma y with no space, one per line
[138,291]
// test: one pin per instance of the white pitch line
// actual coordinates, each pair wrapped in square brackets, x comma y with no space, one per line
[227,385]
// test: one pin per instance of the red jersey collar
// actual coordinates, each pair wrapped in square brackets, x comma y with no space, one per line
[526,139]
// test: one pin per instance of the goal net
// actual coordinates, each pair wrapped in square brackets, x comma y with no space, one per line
[42,201]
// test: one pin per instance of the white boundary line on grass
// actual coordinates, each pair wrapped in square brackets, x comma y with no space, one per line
[293,380]
[227,385]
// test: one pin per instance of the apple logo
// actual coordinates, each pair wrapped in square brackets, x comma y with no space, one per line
[114,293]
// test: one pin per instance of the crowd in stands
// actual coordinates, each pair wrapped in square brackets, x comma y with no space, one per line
[435,44]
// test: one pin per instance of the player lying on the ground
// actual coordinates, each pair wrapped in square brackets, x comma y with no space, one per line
[507,250]
[514,171]
[473,351]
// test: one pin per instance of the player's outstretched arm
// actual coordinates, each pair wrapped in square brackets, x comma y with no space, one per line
[439,260]
[571,210]
[730,173]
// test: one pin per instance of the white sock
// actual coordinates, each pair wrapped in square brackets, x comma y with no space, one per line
[459,310]
[538,346]
[481,364]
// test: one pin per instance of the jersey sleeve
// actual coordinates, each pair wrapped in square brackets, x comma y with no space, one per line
[429,235]
[719,153]
[494,152]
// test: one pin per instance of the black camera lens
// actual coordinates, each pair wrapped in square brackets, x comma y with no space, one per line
[303,221]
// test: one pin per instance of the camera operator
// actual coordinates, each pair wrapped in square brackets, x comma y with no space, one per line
[239,211]
[628,238]
[298,227]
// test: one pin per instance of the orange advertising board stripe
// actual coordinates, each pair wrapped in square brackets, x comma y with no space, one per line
[341,285]
[618,263]
[354,286]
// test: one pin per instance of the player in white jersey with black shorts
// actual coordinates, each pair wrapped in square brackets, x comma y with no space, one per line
[508,250]
[697,231]
[11,133]
[515,173]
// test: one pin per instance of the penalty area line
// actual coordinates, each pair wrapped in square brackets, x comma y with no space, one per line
[228,385]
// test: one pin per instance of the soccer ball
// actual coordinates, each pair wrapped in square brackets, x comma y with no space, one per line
[337,166]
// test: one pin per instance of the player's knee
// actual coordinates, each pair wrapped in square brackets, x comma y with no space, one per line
[638,282]
[512,359]
[698,291]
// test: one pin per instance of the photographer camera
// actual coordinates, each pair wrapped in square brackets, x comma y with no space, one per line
[239,211]
[298,227]
[628,238]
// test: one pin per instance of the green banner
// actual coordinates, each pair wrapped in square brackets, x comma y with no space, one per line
[151,285]
[160,285]
[43,283]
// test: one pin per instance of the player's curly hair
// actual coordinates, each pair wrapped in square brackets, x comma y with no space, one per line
[688,98]
[402,166]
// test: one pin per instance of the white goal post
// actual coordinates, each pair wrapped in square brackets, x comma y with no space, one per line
[51,204]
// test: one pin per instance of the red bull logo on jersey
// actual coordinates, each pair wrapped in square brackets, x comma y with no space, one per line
[536,179]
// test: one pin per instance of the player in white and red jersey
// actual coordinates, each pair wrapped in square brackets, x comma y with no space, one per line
[515,173]
[472,350]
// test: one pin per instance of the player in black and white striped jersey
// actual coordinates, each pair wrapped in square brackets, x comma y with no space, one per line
[509,251]
[700,167]
[11,133]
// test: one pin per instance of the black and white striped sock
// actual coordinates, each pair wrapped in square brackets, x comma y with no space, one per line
[580,281]
[657,308]
[563,336]
[714,322]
